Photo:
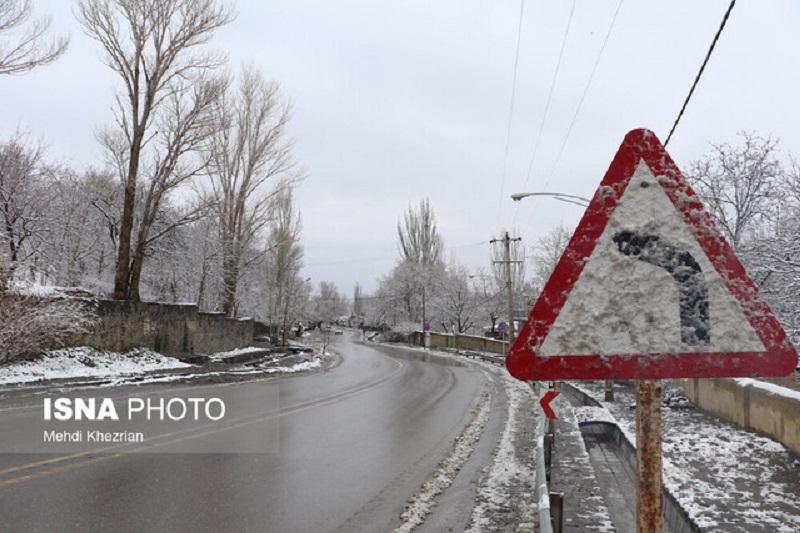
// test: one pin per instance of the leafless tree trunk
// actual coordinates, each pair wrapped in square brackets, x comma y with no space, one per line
[248,152]
[150,45]
[31,48]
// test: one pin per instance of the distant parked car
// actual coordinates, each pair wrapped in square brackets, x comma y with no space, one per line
[338,331]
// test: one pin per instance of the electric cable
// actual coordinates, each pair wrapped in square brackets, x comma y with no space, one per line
[511,110]
[583,95]
[700,72]
[548,101]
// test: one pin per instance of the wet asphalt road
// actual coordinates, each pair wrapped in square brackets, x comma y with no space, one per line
[345,450]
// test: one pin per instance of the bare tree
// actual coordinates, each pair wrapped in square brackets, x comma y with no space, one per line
[739,184]
[546,253]
[420,242]
[285,257]
[421,264]
[32,47]
[162,115]
[489,294]
[78,237]
[248,152]
[328,304]
[457,304]
[24,203]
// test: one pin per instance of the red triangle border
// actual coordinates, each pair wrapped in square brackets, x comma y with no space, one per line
[780,357]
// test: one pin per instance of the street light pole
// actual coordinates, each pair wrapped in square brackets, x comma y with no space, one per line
[569,198]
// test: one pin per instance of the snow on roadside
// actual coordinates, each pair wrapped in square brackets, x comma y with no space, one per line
[726,478]
[505,500]
[239,371]
[421,504]
[592,413]
[772,388]
[510,478]
[218,356]
[84,362]
[299,367]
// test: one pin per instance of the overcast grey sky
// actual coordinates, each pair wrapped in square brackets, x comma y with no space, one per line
[395,101]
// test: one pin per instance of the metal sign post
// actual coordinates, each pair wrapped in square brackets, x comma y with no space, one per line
[649,515]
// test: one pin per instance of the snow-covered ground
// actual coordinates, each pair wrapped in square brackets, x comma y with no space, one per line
[726,478]
[139,365]
[219,356]
[298,367]
[236,371]
[86,362]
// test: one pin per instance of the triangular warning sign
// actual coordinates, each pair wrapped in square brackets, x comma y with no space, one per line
[648,288]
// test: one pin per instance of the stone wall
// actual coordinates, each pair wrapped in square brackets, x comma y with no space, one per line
[459,342]
[167,328]
[750,406]
[480,344]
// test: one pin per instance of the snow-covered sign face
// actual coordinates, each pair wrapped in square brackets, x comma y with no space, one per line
[648,288]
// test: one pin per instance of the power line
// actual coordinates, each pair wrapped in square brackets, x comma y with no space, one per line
[384,257]
[549,99]
[511,109]
[700,72]
[585,92]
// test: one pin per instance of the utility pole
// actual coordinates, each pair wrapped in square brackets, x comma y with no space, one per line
[507,240]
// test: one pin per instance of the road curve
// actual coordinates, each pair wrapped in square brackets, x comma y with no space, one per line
[353,445]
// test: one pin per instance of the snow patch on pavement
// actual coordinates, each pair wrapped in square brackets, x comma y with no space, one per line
[232,353]
[420,506]
[299,367]
[510,480]
[84,362]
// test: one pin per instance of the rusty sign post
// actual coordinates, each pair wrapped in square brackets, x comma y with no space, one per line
[649,517]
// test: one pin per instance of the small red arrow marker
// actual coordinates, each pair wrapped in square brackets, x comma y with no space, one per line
[548,397]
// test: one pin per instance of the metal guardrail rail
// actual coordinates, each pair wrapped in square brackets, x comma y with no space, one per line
[542,488]
[496,359]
